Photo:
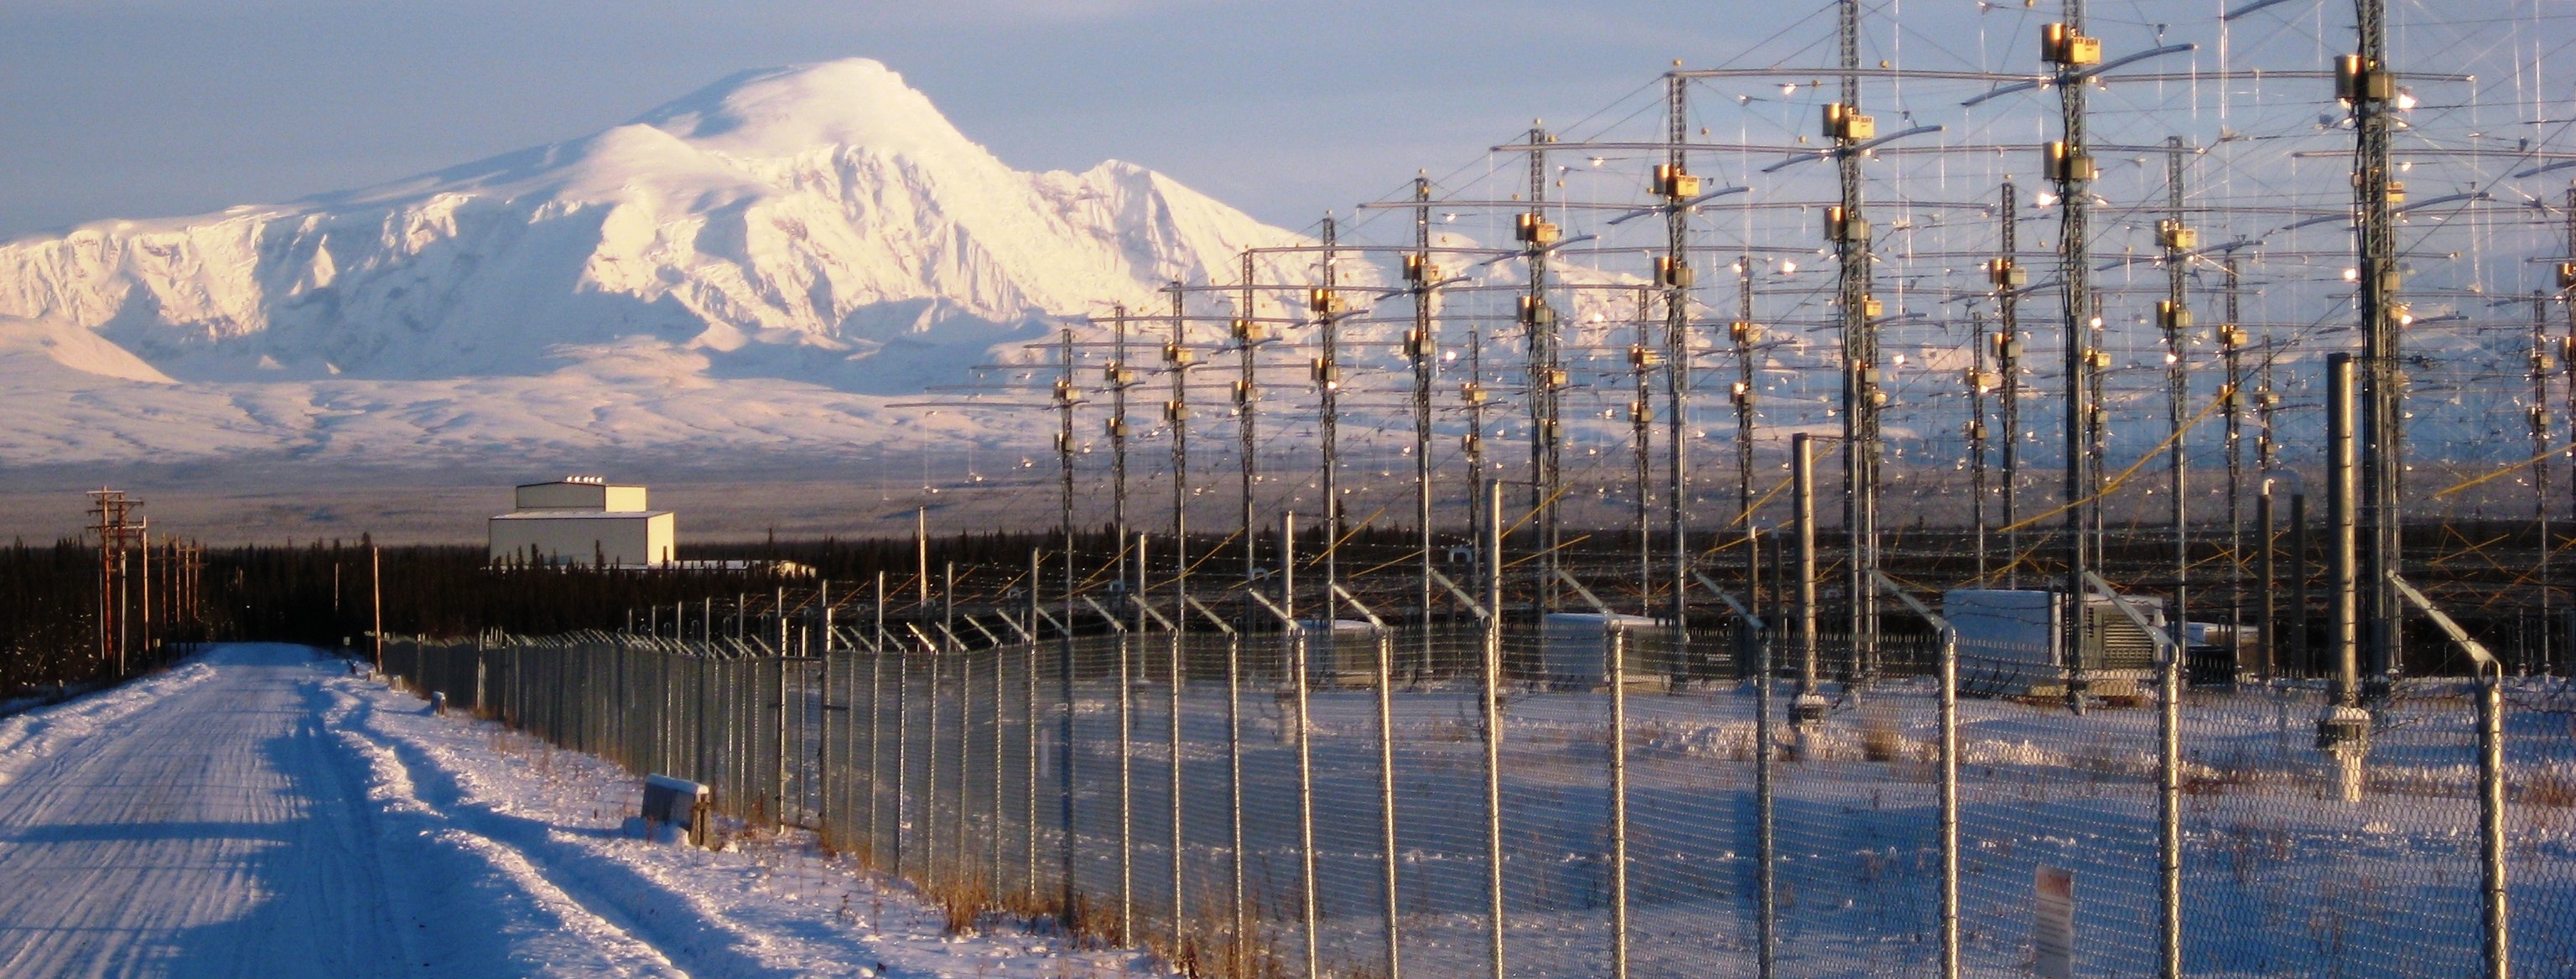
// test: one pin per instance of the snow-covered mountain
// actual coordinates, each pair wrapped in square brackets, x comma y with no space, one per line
[820,225]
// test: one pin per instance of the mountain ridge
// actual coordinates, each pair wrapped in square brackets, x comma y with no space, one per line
[826,207]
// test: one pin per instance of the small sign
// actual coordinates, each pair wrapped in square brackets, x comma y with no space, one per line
[2052,933]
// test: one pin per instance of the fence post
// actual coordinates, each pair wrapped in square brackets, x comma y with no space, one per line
[1180,842]
[2169,804]
[1127,767]
[2491,818]
[823,797]
[1305,755]
[1614,647]
[902,752]
[1029,731]
[1493,711]
[1949,803]
[1064,674]
[993,804]
[1236,946]
[961,851]
[1765,880]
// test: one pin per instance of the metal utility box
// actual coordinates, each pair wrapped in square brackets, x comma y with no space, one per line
[1573,649]
[677,802]
[1341,654]
[2011,642]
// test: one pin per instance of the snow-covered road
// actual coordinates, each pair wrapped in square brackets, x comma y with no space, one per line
[259,812]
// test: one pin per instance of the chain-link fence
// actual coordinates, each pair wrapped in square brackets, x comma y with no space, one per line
[1254,801]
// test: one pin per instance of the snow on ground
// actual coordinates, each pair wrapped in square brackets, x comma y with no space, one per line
[258,811]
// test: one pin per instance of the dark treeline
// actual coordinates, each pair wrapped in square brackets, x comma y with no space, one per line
[48,615]
[320,592]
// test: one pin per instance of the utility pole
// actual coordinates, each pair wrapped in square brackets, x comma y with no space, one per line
[1546,378]
[2071,171]
[2009,279]
[1849,233]
[376,586]
[2364,81]
[2173,314]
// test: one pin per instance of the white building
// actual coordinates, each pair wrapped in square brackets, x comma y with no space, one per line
[582,520]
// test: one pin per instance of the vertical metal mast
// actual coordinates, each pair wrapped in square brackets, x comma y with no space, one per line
[1744,333]
[1472,392]
[1424,347]
[2539,414]
[1537,235]
[2173,314]
[2231,346]
[1642,358]
[1179,358]
[1850,233]
[2070,169]
[1248,333]
[2009,279]
[1119,376]
[1979,381]
[2266,513]
[1327,305]
[1679,189]
[2367,84]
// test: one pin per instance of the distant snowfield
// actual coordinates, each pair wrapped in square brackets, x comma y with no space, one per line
[259,812]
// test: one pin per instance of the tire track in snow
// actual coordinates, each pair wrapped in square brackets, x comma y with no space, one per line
[201,836]
[477,888]
[680,927]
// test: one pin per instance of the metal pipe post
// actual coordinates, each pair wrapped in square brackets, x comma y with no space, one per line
[1127,765]
[1614,650]
[1492,703]
[2491,820]
[2343,729]
[1949,803]
[1307,908]
[1386,797]
[1809,705]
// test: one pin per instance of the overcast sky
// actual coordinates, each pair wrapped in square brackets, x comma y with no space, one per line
[141,108]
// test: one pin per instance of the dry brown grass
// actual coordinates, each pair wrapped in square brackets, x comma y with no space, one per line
[1879,741]
[2552,788]
[962,904]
